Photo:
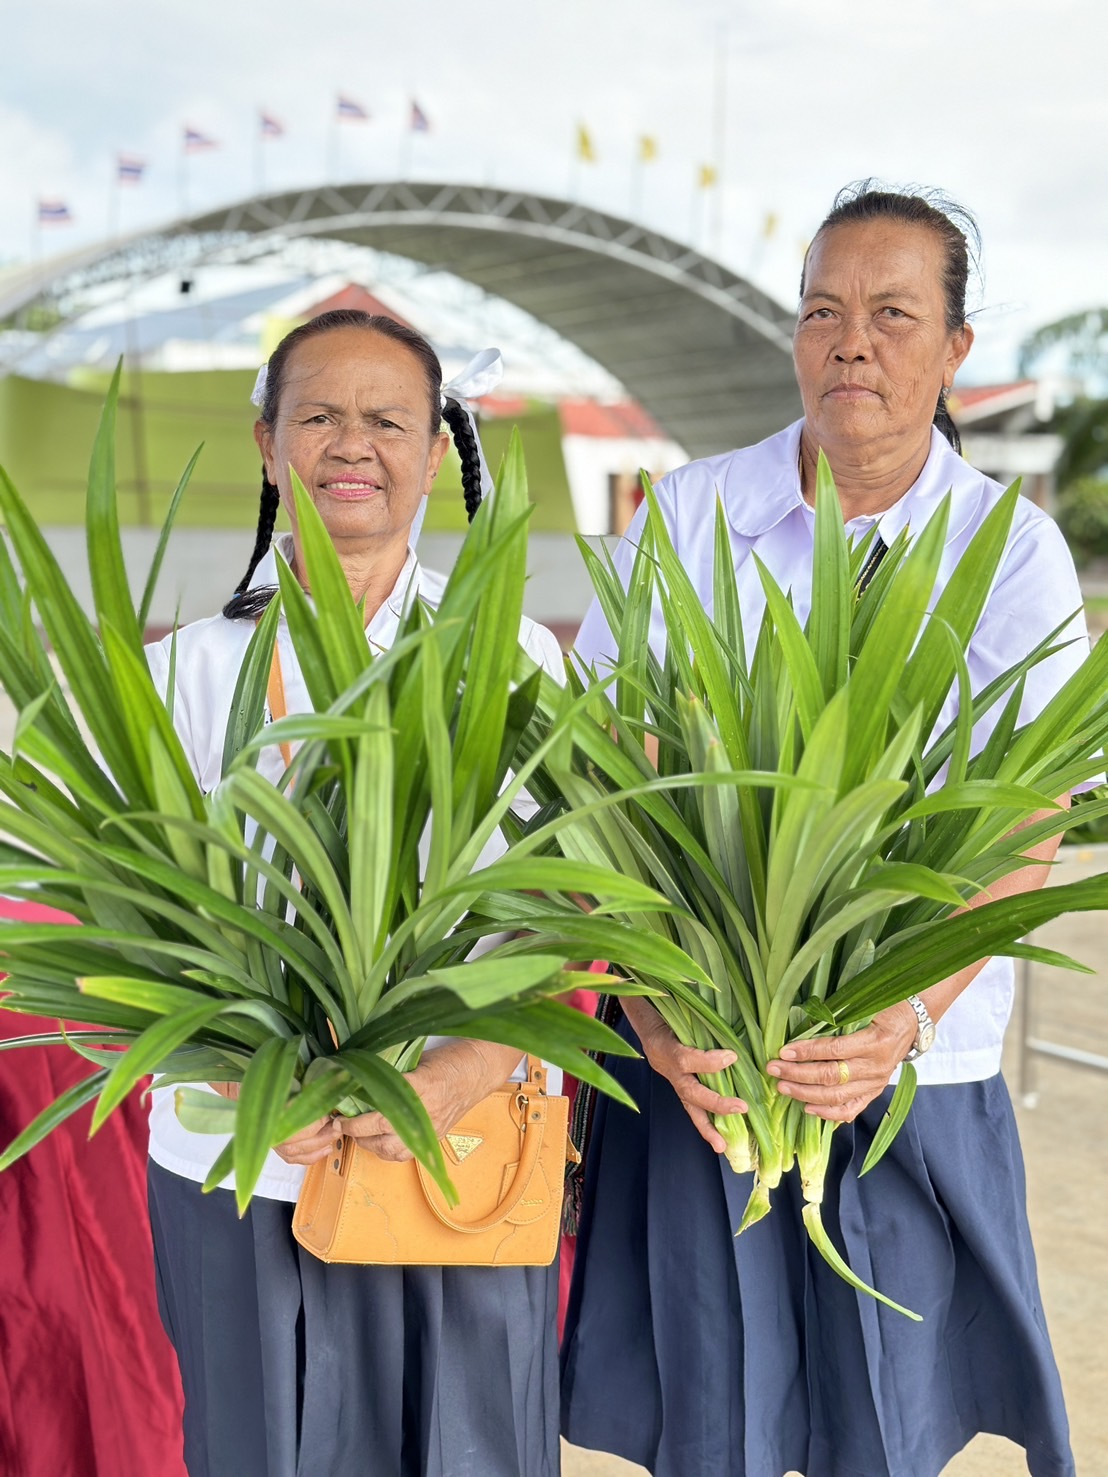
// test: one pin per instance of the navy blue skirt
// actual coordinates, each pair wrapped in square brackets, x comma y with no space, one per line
[293,1368]
[698,1354]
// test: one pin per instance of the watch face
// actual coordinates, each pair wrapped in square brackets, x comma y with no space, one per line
[925,1039]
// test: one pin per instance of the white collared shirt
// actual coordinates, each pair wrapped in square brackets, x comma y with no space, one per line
[209,655]
[1034,591]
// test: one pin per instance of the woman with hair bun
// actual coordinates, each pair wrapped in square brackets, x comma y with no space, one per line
[699,1354]
[292,1367]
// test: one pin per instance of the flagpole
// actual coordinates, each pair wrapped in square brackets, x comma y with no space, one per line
[575,162]
[259,157]
[183,181]
[637,167]
[720,135]
[333,148]
[758,251]
[136,403]
[113,205]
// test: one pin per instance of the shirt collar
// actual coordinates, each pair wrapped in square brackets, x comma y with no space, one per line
[398,601]
[943,472]
[759,493]
[755,509]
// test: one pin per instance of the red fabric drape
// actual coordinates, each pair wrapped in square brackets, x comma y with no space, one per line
[88,1381]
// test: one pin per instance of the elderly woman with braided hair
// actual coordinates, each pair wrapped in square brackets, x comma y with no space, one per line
[291,1367]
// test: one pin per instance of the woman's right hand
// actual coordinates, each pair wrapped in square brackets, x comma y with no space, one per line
[306,1147]
[311,1144]
[680,1066]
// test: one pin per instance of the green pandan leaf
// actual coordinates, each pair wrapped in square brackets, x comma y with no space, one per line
[60,1110]
[893,1120]
[819,1012]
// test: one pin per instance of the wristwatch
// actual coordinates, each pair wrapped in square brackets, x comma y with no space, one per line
[925,1035]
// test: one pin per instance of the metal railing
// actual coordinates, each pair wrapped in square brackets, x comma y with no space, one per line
[1031,1047]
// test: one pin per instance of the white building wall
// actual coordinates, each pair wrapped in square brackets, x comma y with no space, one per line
[592,460]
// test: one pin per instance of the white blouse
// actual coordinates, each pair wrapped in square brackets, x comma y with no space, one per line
[1035,589]
[209,655]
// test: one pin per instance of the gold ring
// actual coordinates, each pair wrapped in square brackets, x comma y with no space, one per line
[844,1073]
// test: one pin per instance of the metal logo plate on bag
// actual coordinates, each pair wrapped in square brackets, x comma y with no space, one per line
[462,1145]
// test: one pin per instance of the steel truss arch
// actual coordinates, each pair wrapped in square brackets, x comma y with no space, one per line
[707,353]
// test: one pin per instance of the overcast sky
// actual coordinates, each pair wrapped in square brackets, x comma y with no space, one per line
[1000,102]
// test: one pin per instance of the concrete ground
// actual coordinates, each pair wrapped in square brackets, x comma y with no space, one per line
[1062,1109]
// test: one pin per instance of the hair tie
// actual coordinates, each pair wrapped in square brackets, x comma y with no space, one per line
[482,374]
[257,394]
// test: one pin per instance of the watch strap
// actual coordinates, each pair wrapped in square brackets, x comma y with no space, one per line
[925,1029]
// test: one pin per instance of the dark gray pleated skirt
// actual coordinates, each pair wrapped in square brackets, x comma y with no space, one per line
[293,1368]
[697,1354]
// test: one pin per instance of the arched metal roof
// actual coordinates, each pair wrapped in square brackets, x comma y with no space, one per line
[704,351]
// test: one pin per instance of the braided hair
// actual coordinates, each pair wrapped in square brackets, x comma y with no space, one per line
[249,604]
[461,430]
[943,421]
[950,222]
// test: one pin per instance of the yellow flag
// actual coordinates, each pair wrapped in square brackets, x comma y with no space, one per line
[769,225]
[648,149]
[585,149]
[708,176]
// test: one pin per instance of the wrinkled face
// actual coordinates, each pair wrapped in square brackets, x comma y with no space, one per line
[354,421]
[871,347]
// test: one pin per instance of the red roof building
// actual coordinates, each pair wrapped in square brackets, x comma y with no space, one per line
[355,297]
[1004,433]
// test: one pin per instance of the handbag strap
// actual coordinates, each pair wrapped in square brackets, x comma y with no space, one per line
[531,1137]
[536,1073]
[275,695]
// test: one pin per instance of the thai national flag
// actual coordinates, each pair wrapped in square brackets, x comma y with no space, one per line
[271,127]
[346,107]
[129,170]
[196,142]
[54,213]
[420,121]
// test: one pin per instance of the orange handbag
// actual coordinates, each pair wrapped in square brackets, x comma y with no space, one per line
[506,1158]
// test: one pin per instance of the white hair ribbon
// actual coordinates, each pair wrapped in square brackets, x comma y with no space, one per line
[482,374]
[257,394]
